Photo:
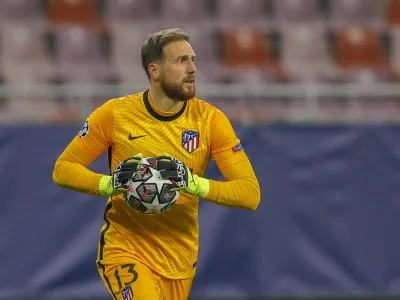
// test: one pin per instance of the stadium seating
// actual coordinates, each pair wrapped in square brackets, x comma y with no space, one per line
[306,52]
[246,47]
[174,12]
[17,11]
[350,12]
[24,57]
[394,49]
[81,54]
[351,45]
[231,13]
[73,11]
[237,41]
[392,12]
[132,11]
[297,11]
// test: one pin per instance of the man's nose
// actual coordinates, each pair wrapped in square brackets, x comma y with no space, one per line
[192,67]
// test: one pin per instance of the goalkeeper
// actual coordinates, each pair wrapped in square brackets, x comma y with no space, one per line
[155,256]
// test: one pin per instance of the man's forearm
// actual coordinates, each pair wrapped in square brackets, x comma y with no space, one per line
[76,177]
[243,193]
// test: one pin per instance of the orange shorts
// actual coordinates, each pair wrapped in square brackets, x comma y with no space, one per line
[126,278]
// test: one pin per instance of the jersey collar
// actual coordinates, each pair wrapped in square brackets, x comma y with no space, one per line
[157,115]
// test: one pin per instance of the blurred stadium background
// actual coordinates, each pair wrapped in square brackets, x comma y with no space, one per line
[312,89]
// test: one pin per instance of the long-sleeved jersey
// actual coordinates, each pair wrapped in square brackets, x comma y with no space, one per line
[167,243]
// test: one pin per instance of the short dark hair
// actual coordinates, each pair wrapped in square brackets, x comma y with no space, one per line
[153,48]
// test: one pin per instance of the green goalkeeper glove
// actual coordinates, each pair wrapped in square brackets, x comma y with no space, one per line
[181,177]
[117,183]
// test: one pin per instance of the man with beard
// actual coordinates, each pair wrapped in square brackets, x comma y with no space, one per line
[155,256]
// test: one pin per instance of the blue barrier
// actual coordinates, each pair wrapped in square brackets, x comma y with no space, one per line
[328,221]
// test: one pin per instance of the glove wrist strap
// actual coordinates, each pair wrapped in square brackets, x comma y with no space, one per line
[104,185]
[203,187]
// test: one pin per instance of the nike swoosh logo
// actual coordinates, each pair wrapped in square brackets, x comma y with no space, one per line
[131,138]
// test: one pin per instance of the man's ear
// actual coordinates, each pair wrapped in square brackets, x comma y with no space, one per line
[154,70]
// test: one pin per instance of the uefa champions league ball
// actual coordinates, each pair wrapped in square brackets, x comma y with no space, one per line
[147,190]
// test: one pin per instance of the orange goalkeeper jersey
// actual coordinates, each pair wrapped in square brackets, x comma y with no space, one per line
[167,243]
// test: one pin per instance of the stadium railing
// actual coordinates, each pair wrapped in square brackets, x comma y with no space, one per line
[311,93]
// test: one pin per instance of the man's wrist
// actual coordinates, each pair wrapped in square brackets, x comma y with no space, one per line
[105,186]
[203,187]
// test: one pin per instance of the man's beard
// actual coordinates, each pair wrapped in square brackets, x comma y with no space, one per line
[176,91]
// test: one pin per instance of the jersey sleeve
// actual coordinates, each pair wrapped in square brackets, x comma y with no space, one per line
[94,138]
[226,149]
[241,188]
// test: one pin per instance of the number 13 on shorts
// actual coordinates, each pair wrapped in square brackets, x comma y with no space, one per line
[128,280]
[130,270]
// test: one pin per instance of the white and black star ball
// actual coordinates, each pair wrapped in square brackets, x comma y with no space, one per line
[84,130]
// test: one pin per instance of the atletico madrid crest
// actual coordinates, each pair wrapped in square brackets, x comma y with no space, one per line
[190,140]
[127,293]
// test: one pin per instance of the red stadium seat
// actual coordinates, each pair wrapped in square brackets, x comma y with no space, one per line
[393,12]
[73,11]
[351,45]
[247,47]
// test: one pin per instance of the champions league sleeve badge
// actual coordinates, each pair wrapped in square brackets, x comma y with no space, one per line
[84,130]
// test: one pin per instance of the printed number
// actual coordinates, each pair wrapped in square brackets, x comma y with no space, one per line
[130,270]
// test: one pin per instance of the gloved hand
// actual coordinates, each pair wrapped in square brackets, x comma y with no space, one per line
[182,178]
[117,183]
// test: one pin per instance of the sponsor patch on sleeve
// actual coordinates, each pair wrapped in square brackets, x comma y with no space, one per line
[237,148]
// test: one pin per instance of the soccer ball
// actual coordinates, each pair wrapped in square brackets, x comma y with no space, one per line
[147,190]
